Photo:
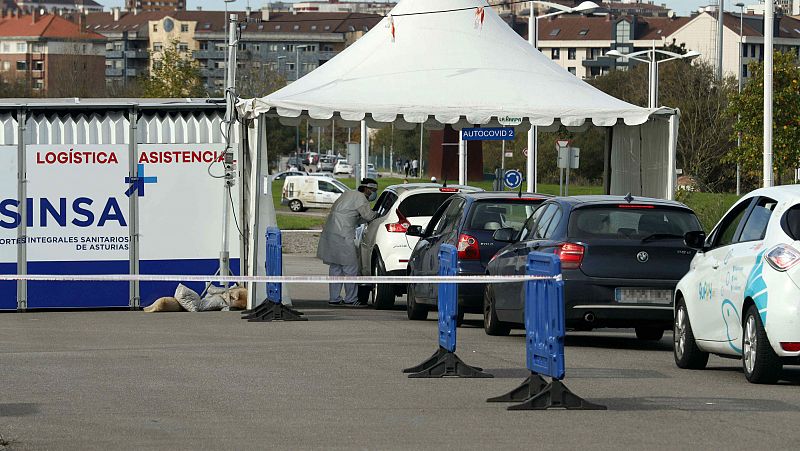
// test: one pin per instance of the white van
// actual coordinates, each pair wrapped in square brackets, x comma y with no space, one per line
[303,192]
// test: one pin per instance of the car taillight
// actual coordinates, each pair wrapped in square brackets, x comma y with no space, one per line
[401,226]
[571,255]
[468,248]
[790,346]
[783,257]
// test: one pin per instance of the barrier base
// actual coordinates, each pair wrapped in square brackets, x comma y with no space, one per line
[270,311]
[556,395]
[532,386]
[444,363]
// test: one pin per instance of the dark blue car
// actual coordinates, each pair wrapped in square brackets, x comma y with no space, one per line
[467,221]
[621,258]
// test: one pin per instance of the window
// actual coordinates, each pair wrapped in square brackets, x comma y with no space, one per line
[289,66]
[117,47]
[109,46]
[756,226]
[183,47]
[6,48]
[289,47]
[296,27]
[157,65]
[555,54]
[487,215]
[571,53]
[623,33]
[422,204]
[38,85]
[555,31]
[21,47]
[272,47]
[724,234]
[450,217]
[328,187]
[155,27]
[38,65]
[543,224]
[22,65]
[744,70]
[6,65]
[184,28]
[630,223]
[157,46]
[277,27]
[584,32]
[527,230]
[313,28]
[204,45]
[572,70]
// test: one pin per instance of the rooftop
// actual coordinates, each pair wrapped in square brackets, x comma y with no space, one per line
[47,26]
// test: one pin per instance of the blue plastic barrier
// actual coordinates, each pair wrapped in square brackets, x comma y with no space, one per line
[544,342]
[273,309]
[444,362]
[544,316]
[274,263]
[448,298]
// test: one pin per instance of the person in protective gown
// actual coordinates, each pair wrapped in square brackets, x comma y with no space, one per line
[337,247]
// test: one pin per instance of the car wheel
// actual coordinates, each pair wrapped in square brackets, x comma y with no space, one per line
[649,333]
[296,206]
[492,325]
[384,293]
[414,311]
[760,363]
[687,354]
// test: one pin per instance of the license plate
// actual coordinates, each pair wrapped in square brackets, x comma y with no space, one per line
[642,296]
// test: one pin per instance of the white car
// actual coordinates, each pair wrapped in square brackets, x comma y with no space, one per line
[303,192]
[741,296]
[384,247]
[342,167]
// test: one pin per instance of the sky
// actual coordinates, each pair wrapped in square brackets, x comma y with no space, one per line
[682,7]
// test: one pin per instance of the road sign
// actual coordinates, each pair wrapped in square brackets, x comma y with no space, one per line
[569,157]
[512,178]
[487,134]
[562,143]
[509,120]
[509,154]
[525,151]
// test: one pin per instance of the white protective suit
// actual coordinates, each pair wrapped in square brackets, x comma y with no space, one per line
[337,242]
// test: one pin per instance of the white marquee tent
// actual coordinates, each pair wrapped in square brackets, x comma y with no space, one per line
[457,62]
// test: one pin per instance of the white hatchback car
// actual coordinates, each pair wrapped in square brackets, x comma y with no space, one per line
[342,167]
[741,296]
[384,247]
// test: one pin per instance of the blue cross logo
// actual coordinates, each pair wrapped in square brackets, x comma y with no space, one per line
[137,183]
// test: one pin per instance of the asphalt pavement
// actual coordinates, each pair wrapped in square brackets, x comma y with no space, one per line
[131,380]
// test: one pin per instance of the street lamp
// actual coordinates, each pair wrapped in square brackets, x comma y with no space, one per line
[533,39]
[652,98]
[739,135]
[297,77]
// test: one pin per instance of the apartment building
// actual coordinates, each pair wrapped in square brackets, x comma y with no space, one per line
[292,44]
[579,43]
[700,34]
[336,6]
[53,6]
[155,5]
[49,54]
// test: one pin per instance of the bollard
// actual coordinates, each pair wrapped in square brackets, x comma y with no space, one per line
[544,342]
[444,362]
[272,309]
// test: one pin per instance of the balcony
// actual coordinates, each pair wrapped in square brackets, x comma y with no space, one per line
[212,73]
[208,54]
[114,54]
[131,72]
[137,54]
[111,72]
[37,74]
[37,56]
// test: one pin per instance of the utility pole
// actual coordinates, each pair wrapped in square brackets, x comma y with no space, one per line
[720,29]
[769,31]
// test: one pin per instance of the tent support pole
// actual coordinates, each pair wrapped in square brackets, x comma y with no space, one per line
[362,173]
[462,160]
[607,161]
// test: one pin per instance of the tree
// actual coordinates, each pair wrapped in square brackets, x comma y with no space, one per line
[174,74]
[747,110]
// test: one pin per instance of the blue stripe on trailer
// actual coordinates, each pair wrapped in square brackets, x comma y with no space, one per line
[8,289]
[51,294]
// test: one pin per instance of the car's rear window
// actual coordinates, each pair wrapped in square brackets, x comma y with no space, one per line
[791,222]
[498,214]
[631,222]
[423,204]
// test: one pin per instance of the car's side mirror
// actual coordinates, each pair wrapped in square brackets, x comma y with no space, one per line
[415,230]
[695,239]
[504,235]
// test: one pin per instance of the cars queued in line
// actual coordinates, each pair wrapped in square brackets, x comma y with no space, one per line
[468,221]
[741,295]
[621,258]
[383,245]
